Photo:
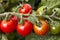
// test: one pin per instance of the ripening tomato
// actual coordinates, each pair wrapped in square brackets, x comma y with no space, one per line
[25,9]
[25,29]
[55,27]
[42,29]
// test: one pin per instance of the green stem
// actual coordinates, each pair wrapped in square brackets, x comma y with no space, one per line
[53,14]
[22,1]
[21,19]
[13,13]
[4,37]
[48,17]
[25,18]
[20,5]
[56,17]
[6,16]
[36,19]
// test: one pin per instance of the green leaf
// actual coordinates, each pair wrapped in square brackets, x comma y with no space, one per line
[31,2]
[1,8]
[14,1]
[1,0]
[32,17]
[33,36]
[50,3]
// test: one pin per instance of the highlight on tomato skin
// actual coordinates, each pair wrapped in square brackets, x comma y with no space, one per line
[25,29]
[55,28]
[25,9]
[15,20]
[43,29]
[9,26]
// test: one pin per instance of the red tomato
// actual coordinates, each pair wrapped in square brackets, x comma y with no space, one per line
[42,29]
[25,29]
[15,20]
[9,26]
[26,8]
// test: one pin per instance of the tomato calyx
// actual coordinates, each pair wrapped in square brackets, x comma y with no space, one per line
[43,29]
[38,24]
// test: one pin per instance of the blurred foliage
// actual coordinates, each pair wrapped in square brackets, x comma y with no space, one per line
[48,36]
[11,5]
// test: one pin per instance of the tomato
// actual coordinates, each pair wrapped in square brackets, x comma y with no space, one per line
[55,27]
[25,9]
[25,29]
[15,20]
[42,29]
[43,10]
[57,11]
[40,10]
[10,25]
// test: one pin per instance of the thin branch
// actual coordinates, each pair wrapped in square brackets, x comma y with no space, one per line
[53,14]
[48,17]
[56,17]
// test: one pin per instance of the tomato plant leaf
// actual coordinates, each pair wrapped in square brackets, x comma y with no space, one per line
[50,3]
[1,8]
[33,36]
[31,2]
[32,17]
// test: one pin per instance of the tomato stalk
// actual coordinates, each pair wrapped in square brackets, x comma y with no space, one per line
[19,6]
[54,15]
[21,21]
[6,16]
[4,37]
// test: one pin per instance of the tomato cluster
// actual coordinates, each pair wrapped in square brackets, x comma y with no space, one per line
[11,25]
[40,27]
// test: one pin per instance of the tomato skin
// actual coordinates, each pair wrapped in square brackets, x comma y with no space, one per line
[7,26]
[43,29]
[15,20]
[25,29]
[10,25]
[55,28]
[25,9]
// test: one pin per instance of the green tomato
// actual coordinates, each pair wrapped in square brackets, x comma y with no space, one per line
[57,10]
[43,10]
[40,10]
[55,27]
